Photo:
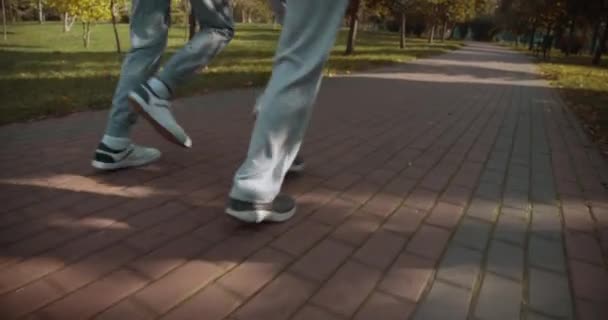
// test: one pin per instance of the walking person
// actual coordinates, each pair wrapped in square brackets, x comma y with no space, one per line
[284,109]
[140,83]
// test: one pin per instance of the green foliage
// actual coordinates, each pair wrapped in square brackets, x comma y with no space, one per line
[46,72]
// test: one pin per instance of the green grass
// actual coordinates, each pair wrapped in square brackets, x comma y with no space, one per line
[584,87]
[45,72]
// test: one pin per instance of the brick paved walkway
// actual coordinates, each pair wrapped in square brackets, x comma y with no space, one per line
[452,188]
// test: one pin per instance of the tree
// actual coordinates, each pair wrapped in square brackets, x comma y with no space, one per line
[4,20]
[87,11]
[41,11]
[113,9]
[353,16]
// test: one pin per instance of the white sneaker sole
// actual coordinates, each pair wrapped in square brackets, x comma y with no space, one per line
[258,216]
[122,164]
[141,107]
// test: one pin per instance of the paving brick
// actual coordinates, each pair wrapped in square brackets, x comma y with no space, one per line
[20,274]
[152,238]
[429,242]
[382,306]
[404,221]
[583,246]
[511,228]
[589,282]
[473,234]
[483,209]
[164,259]
[549,293]
[506,260]
[536,316]
[342,180]
[588,310]
[546,224]
[357,228]
[126,309]
[312,312]
[444,302]
[380,249]
[253,273]
[460,266]
[578,219]
[106,292]
[322,260]
[400,186]
[92,268]
[516,199]
[546,254]
[493,176]
[499,299]
[177,285]
[489,191]
[383,204]
[273,304]
[445,215]
[235,249]
[408,277]
[335,211]
[213,302]
[421,199]
[361,192]
[347,289]
[457,195]
[27,299]
[301,238]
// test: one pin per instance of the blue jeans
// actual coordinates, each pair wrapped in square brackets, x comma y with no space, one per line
[309,32]
[149,32]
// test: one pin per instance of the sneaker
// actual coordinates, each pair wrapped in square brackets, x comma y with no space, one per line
[158,112]
[281,209]
[107,158]
[298,165]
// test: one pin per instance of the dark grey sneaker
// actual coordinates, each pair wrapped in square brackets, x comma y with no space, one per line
[298,165]
[158,112]
[281,209]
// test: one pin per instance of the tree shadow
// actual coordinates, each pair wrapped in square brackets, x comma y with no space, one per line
[65,215]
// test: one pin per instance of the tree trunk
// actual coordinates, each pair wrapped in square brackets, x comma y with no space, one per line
[432,34]
[597,58]
[116,37]
[402,30]
[40,12]
[596,34]
[191,26]
[86,34]
[445,30]
[66,18]
[570,37]
[243,16]
[4,21]
[532,37]
[352,31]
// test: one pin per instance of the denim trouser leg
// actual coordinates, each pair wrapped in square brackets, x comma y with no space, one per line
[308,34]
[217,29]
[149,27]
[149,31]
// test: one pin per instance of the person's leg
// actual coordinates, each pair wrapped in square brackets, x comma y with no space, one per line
[279,8]
[149,27]
[151,99]
[307,37]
